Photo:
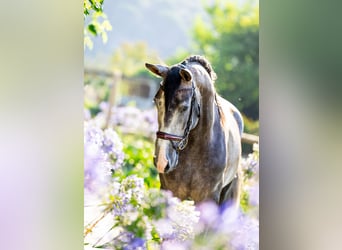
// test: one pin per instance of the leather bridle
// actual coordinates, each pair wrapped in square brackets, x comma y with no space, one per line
[179,142]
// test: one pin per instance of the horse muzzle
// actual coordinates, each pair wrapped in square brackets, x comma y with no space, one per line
[165,161]
[165,170]
[164,167]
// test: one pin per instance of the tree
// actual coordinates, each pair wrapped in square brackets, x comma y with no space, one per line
[129,58]
[96,22]
[231,43]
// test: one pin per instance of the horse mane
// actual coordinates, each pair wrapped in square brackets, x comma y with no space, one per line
[204,62]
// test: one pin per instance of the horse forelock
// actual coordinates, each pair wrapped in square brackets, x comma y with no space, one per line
[173,79]
[171,84]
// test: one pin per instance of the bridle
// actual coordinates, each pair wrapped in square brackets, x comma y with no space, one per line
[179,142]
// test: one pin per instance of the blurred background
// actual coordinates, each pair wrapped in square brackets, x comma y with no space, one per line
[120,36]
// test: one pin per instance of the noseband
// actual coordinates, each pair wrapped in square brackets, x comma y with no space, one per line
[179,142]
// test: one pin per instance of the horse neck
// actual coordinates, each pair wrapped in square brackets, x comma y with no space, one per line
[209,112]
[209,116]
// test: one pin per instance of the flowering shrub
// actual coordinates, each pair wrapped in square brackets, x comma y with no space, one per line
[103,154]
[129,119]
[124,208]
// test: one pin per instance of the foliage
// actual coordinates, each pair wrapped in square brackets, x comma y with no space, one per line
[139,162]
[231,43]
[250,126]
[97,23]
[179,56]
[129,58]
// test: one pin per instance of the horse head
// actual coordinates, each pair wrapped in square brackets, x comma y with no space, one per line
[178,105]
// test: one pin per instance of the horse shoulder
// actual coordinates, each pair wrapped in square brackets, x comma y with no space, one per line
[230,115]
[232,123]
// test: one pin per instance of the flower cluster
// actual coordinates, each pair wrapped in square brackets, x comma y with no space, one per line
[179,222]
[126,214]
[102,155]
[127,193]
[129,119]
[250,167]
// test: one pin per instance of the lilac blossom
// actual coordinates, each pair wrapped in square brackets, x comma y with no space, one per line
[136,244]
[172,245]
[102,155]
[86,114]
[130,119]
[254,194]
[96,168]
[181,218]
[250,164]
[242,229]
[96,165]
[112,145]
[250,167]
[129,191]
[209,216]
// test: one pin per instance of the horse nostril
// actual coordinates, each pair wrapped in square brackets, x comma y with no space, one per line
[167,168]
[155,160]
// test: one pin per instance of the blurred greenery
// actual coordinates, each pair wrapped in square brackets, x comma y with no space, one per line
[244,201]
[250,126]
[96,90]
[231,43]
[129,58]
[139,161]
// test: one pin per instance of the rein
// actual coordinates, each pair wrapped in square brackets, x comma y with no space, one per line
[182,141]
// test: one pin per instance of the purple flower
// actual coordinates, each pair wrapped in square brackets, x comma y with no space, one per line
[136,244]
[241,229]
[181,218]
[87,114]
[246,235]
[104,106]
[254,194]
[96,172]
[112,145]
[174,245]
[130,191]
[92,133]
[134,120]
[126,237]
[102,154]
[209,215]
[151,117]
[251,164]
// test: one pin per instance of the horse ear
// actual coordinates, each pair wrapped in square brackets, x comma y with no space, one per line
[157,69]
[185,74]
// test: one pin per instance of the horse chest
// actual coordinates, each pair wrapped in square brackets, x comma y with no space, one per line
[197,181]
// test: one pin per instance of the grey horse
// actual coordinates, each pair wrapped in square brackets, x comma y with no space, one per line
[198,144]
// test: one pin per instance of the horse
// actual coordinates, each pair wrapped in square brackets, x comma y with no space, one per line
[198,142]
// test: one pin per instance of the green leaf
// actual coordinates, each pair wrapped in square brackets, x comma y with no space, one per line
[92,29]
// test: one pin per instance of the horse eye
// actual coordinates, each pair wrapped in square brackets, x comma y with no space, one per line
[156,102]
[184,108]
